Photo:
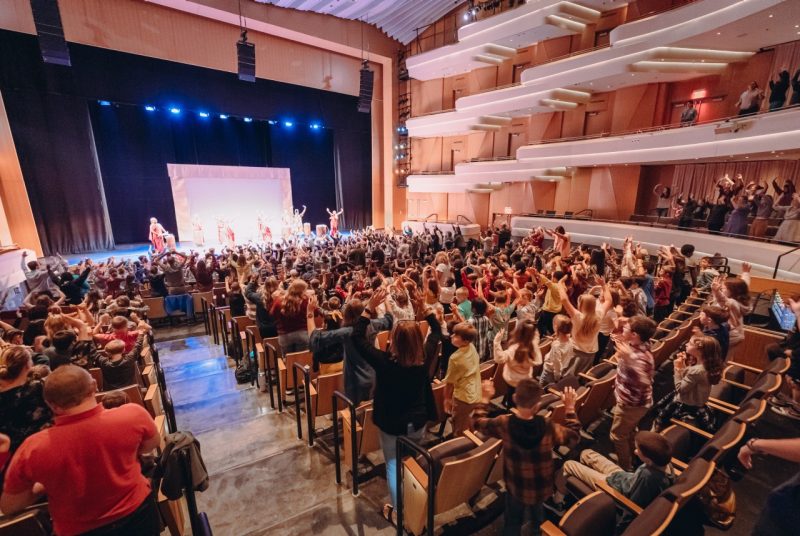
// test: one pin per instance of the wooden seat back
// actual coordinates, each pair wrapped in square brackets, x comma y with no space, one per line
[322,392]
[460,479]
[597,398]
[155,308]
[751,350]
[97,376]
[197,299]
[382,340]
[287,378]
[133,392]
[33,521]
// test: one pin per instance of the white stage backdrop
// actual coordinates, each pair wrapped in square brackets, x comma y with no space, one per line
[208,199]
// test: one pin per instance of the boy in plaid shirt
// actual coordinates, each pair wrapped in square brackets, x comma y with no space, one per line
[528,442]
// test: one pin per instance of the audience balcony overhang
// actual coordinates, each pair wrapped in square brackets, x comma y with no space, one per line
[764,136]
[697,42]
[493,40]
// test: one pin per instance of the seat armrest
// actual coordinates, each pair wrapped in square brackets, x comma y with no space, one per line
[723,403]
[585,376]
[745,367]
[472,437]
[621,499]
[691,428]
[736,384]
[549,529]
[679,464]
[717,407]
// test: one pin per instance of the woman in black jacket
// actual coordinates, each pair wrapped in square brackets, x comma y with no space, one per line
[403,401]
[778,89]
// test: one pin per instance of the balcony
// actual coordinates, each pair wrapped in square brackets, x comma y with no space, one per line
[695,40]
[491,41]
[763,136]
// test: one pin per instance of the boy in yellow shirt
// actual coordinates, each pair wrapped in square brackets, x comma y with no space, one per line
[463,379]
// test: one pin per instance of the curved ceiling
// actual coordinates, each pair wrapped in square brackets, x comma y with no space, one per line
[399,19]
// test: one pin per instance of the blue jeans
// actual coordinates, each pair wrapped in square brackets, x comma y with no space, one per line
[389,446]
[515,516]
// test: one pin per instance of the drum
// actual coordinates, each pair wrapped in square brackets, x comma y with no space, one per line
[169,238]
[306,228]
[322,230]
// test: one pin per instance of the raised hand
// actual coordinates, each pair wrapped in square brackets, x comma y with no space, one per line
[487,390]
[569,396]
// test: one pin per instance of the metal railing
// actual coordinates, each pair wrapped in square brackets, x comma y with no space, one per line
[338,395]
[780,258]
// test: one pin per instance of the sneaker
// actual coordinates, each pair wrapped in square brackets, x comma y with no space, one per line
[787,411]
[558,508]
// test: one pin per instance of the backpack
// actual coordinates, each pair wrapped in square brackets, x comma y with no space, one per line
[719,500]
[244,372]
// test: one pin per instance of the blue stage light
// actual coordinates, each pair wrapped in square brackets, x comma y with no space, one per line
[104,103]
[315,126]
[288,124]
[248,119]
[175,110]
[150,108]
[223,116]
[272,122]
[204,114]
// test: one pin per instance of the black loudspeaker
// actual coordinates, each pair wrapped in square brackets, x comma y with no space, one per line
[246,55]
[365,89]
[47,19]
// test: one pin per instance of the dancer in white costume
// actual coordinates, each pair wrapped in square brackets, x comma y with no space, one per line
[197,231]
[298,220]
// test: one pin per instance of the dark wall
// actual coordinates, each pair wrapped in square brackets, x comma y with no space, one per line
[58,157]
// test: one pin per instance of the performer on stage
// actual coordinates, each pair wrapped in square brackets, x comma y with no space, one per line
[298,220]
[157,233]
[264,231]
[197,227]
[334,215]
[229,234]
[220,230]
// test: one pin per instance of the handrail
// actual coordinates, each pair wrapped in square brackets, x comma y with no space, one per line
[780,258]
[428,217]
[338,395]
[306,376]
[169,411]
[646,130]
[461,216]
[661,226]
[588,211]
[404,443]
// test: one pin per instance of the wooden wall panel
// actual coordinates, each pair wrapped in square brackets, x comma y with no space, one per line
[16,208]
[612,192]
[426,154]
[426,96]
[650,176]
[460,204]
[634,107]
[422,205]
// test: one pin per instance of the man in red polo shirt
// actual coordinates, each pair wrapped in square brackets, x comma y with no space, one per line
[87,464]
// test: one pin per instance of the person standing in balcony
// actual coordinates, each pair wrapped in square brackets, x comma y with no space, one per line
[664,193]
[737,223]
[795,100]
[689,115]
[750,100]
[778,89]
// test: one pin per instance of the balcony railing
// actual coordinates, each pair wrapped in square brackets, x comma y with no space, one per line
[647,130]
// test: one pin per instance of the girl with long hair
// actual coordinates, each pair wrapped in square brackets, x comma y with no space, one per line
[520,357]
[290,315]
[733,295]
[696,370]
[586,320]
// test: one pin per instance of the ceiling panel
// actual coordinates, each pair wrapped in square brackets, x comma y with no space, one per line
[399,19]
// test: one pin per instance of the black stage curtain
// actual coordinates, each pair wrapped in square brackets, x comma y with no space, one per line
[66,142]
[134,147]
[53,137]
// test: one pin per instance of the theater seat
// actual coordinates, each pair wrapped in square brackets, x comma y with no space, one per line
[33,521]
[593,514]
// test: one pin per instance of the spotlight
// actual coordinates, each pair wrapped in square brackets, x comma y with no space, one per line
[174,110]
[150,108]
[223,116]
[272,122]
[248,119]
[288,124]
[466,16]
[315,126]
[204,114]
[104,103]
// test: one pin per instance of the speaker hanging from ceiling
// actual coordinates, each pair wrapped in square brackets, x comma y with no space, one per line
[47,19]
[365,88]
[246,58]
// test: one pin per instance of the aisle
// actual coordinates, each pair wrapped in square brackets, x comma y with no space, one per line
[263,479]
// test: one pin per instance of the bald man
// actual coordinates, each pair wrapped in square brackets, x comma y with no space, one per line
[87,463]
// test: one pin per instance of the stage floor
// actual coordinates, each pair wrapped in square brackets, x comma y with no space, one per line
[134,251]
